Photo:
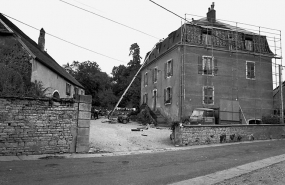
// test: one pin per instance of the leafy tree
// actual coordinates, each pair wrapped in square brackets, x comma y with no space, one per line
[96,82]
[122,76]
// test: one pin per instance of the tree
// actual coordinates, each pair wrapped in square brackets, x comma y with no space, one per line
[96,82]
[122,76]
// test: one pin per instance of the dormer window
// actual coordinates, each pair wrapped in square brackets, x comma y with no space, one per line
[207,37]
[248,43]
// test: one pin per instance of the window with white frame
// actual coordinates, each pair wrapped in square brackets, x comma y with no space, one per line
[168,95]
[208,95]
[145,79]
[68,89]
[250,70]
[168,68]
[207,65]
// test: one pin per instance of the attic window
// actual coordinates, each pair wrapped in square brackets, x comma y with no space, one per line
[207,37]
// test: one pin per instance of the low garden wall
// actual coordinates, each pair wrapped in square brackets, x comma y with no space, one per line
[202,134]
[44,126]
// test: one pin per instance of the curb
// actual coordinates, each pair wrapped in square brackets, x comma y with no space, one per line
[232,172]
[119,153]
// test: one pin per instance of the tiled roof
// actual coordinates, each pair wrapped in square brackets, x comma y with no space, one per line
[41,56]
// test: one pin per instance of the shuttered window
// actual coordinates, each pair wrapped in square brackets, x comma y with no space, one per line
[68,89]
[145,98]
[168,95]
[154,75]
[145,79]
[168,68]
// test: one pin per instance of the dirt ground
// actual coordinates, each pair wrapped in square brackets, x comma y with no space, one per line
[118,137]
[274,174]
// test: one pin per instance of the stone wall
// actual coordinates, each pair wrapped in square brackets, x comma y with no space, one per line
[200,135]
[44,126]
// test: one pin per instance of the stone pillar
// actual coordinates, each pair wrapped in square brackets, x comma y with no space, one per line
[83,122]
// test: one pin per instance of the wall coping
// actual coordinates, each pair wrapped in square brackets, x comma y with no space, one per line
[234,125]
[71,100]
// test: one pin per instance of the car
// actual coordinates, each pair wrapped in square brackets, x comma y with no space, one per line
[123,118]
[254,121]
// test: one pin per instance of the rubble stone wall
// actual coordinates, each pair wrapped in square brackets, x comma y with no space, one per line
[44,126]
[201,135]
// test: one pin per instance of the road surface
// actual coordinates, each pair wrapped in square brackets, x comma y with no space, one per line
[154,168]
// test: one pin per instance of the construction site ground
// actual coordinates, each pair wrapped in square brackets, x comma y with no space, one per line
[108,136]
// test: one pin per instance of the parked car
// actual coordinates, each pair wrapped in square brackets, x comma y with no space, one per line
[123,118]
[254,121]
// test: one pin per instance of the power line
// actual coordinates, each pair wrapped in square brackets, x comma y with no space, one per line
[108,19]
[65,40]
[169,11]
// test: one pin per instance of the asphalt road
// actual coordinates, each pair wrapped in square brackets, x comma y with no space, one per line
[155,168]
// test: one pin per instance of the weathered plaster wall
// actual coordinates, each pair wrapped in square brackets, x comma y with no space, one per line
[51,80]
[230,83]
[171,111]
[43,126]
[201,135]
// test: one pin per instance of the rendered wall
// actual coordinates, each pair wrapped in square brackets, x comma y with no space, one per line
[254,96]
[51,80]
[171,111]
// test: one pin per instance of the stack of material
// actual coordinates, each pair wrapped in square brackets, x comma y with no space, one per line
[146,115]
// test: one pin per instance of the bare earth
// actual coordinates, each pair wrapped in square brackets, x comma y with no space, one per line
[274,174]
[108,137]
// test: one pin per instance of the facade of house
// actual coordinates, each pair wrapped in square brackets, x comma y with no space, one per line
[209,64]
[57,82]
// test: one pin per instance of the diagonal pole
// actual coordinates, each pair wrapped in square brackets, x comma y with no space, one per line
[111,113]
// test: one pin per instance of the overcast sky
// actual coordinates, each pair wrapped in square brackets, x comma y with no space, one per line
[113,40]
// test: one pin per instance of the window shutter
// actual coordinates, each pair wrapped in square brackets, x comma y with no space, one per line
[146,98]
[165,70]
[170,96]
[215,66]
[171,68]
[200,66]
[153,75]
[164,95]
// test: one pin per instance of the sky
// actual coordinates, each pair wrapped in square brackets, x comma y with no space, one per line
[144,22]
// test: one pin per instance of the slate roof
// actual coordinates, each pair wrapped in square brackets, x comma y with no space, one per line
[42,56]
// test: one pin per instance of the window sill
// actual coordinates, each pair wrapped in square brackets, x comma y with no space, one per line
[167,103]
[250,78]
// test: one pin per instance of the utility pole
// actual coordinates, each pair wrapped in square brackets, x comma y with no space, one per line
[281,95]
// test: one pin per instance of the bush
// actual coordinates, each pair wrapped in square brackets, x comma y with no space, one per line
[271,119]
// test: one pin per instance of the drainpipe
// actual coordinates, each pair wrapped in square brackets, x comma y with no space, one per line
[281,94]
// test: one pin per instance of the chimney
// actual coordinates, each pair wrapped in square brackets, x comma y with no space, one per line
[41,41]
[211,15]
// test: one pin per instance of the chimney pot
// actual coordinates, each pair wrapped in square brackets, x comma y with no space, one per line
[211,15]
[41,41]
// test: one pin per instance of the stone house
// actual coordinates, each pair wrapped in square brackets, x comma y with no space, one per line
[207,63]
[44,68]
